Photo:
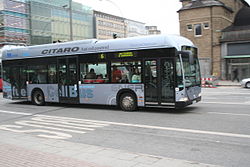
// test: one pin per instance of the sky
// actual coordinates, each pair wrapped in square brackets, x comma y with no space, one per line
[160,13]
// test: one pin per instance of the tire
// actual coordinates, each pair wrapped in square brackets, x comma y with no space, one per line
[247,85]
[38,98]
[127,102]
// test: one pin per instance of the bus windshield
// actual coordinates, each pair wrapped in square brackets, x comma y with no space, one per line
[192,72]
[191,68]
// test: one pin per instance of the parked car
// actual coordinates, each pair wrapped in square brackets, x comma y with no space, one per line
[245,83]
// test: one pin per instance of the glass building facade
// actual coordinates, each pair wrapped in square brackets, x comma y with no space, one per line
[35,22]
[50,21]
[14,22]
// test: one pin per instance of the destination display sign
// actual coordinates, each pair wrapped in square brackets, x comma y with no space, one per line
[124,54]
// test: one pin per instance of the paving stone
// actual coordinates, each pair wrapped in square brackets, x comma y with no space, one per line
[13,156]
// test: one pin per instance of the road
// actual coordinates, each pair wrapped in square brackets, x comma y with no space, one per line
[215,131]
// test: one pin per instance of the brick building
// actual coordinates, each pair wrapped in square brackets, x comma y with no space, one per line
[203,21]
[235,47]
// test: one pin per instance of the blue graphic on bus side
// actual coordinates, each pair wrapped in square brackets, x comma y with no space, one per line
[26,54]
[86,93]
[87,86]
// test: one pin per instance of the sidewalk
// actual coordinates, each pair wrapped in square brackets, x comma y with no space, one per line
[227,83]
[23,150]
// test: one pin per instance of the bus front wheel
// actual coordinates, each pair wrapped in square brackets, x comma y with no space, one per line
[38,98]
[127,102]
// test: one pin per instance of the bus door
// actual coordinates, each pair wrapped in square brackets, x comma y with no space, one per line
[68,80]
[18,82]
[159,82]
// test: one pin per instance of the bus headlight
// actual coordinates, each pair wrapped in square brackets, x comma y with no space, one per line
[183,99]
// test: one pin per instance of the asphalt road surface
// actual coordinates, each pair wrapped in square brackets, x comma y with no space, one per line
[214,131]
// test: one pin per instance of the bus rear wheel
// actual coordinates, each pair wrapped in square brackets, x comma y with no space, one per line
[38,98]
[127,102]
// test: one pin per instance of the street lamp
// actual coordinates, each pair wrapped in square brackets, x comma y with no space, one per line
[70,18]
[113,3]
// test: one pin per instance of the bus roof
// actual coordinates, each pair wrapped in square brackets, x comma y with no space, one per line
[97,46]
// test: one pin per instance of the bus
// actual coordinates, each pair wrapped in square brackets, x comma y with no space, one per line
[148,71]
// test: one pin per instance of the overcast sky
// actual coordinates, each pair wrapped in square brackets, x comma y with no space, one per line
[161,13]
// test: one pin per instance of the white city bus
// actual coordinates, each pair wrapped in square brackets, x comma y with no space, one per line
[149,71]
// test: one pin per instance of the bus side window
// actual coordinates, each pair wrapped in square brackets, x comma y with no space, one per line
[37,74]
[93,73]
[126,72]
[52,74]
[6,74]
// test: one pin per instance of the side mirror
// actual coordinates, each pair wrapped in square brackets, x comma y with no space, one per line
[191,58]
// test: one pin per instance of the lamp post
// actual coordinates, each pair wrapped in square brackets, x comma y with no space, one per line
[70,19]
[113,3]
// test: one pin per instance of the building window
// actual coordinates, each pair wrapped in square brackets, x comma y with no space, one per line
[189,27]
[197,30]
[206,25]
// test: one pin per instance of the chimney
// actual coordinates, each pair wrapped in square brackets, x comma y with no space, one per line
[185,2]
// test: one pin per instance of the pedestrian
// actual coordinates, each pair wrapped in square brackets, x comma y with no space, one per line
[235,75]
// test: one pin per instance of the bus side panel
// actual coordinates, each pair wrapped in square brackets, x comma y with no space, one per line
[7,91]
[50,91]
[106,93]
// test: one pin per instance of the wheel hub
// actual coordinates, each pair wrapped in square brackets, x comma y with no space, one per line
[38,98]
[127,101]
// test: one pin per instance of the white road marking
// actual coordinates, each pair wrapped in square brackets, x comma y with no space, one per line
[12,112]
[226,93]
[106,123]
[232,103]
[55,126]
[163,128]
[67,121]
[54,135]
[219,113]
[40,125]
[183,130]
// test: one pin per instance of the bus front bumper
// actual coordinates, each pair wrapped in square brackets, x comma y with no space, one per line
[183,104]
